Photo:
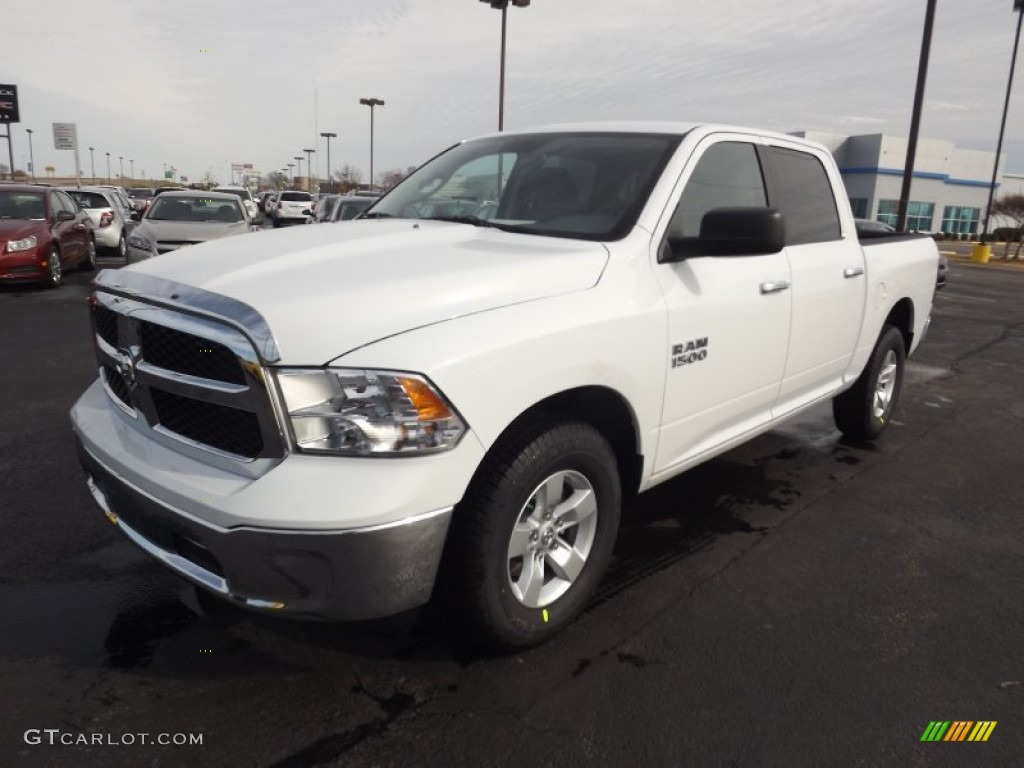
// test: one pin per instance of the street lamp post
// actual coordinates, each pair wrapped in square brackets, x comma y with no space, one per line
[132,163]
[371,103]
[502,5]
[309,168]
[291,177]
[121,160]
[31,157]
[1018,5]
[330,175]
[298,164]
[92,164]
[915,118]
[108,167]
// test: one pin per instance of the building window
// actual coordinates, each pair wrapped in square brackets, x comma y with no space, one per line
[860,207]
[960,220]
[919,217]
[888,212]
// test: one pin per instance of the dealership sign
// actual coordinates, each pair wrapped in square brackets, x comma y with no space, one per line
[9,104]
[65,136]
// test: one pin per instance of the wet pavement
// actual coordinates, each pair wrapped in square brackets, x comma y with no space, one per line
[798,601]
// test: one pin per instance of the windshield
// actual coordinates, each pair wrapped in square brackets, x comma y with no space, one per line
[583,185]
[22,205]
[140,193]
[304,197]
[198,208]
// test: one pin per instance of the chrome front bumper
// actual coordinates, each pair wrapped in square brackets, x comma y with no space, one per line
[347,575]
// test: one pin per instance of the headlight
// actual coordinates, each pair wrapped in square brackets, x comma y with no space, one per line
[362,413]
[138,241]
[25,244]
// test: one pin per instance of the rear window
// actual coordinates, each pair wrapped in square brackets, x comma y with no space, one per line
[89,199]
[242,193]
[304,197]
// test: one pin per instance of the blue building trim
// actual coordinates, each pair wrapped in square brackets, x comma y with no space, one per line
[943,177]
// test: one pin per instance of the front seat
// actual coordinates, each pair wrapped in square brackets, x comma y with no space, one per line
[547,194]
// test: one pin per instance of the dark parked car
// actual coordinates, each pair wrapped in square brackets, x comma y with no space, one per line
[349,207]
[141,198]
[43,232]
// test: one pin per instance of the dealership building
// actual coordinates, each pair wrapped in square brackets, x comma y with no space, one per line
[950,187]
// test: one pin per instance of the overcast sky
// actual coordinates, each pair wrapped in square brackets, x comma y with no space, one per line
[199,85]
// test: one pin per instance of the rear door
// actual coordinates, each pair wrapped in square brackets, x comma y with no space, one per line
[728,317]
[827,266]
[72,235]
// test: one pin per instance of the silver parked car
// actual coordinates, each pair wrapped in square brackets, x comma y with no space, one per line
[178,219]
[110,215]
[350,206]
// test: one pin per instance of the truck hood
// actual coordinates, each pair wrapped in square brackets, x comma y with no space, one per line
[327,289]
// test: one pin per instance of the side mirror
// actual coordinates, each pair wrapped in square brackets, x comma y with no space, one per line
[732,232]
[135,216]
[65,216]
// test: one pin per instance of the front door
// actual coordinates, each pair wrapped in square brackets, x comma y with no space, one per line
[728,317]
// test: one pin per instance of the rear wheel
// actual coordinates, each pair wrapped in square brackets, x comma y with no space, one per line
[864,411]
[89,263]
[534,535]
[54,271]
[121,249]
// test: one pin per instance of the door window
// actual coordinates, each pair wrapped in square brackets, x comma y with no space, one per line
[728,174]
[806,198]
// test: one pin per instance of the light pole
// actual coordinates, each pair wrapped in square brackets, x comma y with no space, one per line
[291,177]
[371,103]
[309,169]
[108,167]
[121,177]
[132,163]
[915,119]
[92,164]
[1018,5]
[502,5]
[330,175]
[298,162]
[32,159]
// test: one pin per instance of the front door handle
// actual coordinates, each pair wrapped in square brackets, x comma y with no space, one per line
[774,286]
[853,271]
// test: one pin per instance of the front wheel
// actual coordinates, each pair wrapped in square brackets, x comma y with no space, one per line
[54,270]
[864,411]
[534,535]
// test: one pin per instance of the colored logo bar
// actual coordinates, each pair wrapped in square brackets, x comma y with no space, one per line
[958,730]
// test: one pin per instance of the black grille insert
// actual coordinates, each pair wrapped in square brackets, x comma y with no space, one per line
[105,322]
[116,384]
[227,429]
[193,355]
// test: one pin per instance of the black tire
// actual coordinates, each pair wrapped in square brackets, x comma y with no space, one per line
[858,413]
[54,270]
[89,263]
[478,573]
[121,249]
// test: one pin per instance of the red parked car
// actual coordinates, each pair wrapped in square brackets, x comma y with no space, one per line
[43,232]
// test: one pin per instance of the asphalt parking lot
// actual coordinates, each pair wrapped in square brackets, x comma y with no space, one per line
[799,601]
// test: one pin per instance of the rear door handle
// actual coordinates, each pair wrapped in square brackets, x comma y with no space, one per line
[774,286]
[853,271]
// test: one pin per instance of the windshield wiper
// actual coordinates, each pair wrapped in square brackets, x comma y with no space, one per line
[476,221]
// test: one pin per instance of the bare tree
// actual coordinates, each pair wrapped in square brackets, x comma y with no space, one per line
[349,176]
[388,179]
[1011,207]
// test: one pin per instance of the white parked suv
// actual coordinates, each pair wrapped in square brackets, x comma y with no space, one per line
[292,206]
[459,390]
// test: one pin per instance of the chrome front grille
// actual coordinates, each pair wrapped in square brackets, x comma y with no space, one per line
[189,380]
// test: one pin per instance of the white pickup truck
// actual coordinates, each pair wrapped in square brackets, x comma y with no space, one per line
[455,393]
